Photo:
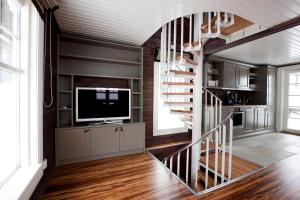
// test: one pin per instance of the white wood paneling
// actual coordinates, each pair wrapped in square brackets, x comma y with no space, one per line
[134,21]
[278,49]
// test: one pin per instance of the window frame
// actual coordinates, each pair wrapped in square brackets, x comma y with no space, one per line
[156,94]
[30,69]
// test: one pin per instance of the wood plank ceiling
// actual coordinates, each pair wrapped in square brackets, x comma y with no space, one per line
[134,21]
[278,49]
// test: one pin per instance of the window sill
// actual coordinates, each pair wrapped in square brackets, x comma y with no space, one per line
[22,183]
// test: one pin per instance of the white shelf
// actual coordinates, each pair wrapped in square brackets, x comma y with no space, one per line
[102,60]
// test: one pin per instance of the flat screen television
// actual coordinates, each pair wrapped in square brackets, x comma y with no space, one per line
[102,104]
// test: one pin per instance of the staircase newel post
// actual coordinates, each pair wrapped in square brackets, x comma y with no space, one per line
[197,108]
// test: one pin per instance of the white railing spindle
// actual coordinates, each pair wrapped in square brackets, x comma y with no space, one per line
[223,153]
[206,162]
[174,42]
[178,164]
[216,157]
[169,46]
[182,32]
[187,166]
[171,164]
[230,150]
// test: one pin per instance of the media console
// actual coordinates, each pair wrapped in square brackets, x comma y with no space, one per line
[77,144]
[88,62]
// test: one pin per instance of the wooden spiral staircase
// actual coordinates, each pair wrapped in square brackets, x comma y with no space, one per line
[207,162]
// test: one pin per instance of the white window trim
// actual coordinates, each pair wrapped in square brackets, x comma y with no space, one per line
[156,86]
[282,96]
[23,182]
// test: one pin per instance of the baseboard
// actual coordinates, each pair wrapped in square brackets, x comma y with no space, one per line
[97,157]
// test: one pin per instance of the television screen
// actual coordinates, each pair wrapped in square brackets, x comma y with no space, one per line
[96,104]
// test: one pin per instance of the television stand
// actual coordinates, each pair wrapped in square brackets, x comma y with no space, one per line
[107,122]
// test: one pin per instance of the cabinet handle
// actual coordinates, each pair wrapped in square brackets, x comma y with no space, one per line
[116,129]
[86,130]
[121,128]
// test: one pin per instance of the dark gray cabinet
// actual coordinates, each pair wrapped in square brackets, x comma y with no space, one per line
[229,75]
[249,119]
[260,118]
[236,76]
[271,87]
[242,76]
[270,119]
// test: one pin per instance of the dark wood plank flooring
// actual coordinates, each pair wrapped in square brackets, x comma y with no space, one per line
[129,177]
[141,177]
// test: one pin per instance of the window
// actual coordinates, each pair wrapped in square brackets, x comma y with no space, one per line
[9,88]
[164,122]
[293,102]
[21,98]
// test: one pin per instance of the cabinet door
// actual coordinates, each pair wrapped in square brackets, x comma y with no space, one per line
[271,119]
[229,75]
[104,140]
[260,118]
[72,143]
[242,76]
[249,119]
[132,137]
[271,87]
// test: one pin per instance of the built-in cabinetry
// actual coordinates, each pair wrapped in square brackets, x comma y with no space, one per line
[87,58]
[85,62]
[231,75]
[94,142]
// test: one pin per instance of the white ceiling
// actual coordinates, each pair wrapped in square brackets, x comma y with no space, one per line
[278,49]
[134,21]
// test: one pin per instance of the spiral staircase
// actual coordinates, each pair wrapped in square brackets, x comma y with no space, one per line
[206,163]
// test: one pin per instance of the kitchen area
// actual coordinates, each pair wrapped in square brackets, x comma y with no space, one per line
[248,91]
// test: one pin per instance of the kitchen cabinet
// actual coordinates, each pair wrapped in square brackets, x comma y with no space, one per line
[271,87]
[270,119]
[236,76]
[260,118]
[229,75]
[249,119]
[242,77]
[72,143]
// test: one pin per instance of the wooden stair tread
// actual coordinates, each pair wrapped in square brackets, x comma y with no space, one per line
[194,44]
[239,24]
[201,178]
[181,111]
[178,102]
[239,166]
[187,60]
[182,72]
[178,83]
[178,93]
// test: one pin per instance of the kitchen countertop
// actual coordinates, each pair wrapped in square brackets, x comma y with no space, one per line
[243,106]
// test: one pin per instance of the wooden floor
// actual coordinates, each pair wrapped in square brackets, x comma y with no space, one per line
[240,166]
[130,177]
[141,177]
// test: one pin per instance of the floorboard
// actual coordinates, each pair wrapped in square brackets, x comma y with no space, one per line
[142,177]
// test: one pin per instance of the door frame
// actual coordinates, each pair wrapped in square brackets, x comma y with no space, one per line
[282,96]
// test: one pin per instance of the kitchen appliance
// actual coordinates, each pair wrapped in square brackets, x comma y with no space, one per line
[238,119]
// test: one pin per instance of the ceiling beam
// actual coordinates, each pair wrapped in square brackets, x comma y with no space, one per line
[211,49]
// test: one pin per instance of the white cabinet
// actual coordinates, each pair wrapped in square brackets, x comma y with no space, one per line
[72,143]
[95,142]
[132,137]
[104,140]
